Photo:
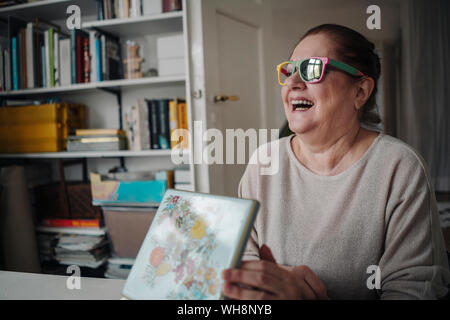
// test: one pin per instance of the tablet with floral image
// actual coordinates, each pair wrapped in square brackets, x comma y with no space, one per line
[192,239]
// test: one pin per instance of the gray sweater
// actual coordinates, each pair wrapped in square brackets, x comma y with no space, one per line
[379,213]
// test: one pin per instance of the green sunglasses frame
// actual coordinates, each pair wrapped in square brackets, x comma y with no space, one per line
[325,61]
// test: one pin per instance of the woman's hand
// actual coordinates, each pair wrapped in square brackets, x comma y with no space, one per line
[265,279]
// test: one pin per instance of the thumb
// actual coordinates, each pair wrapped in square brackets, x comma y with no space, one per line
[266,254]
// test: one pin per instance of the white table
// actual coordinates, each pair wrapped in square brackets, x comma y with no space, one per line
[26,286]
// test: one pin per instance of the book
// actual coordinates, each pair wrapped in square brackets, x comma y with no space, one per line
[183,124]
[164,125]
[98,59]
[154,123]
[76,54]
[15,73]
[30,45]
[99,132]
[93,55]
[86,61]
[56,60]
[51,58]
[73,223]
[173,121]
[171,5]
[22,58]
[191,240]
[48,82]
[100,10]
[64,59]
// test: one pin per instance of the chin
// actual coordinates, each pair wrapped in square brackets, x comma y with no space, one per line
[299,127]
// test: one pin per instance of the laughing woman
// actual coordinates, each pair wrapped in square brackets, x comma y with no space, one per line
[351,212]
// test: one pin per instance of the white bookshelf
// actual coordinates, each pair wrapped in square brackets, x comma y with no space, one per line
[140,26]
[97,85]
[92,154]
[91,94]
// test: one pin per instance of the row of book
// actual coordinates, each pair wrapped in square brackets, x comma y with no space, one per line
[152,124]
[39,55]
[111,9]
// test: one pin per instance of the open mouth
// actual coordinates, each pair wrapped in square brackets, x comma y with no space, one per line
[301,104]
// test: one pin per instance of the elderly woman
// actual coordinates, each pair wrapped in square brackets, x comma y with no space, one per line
[351,213]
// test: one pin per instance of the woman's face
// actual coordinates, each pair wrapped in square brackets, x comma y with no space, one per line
[333,98]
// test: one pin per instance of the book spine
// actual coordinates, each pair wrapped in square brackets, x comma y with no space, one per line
[72,223]
[173,121]
[93,56]
[2,73]
[30,56]
[7,70]
[47,59]
[104,59]
[51,57]
[79,64]
[98,59]
[15,79]
[154,123]
[126,8]
[65,66]
[100,11]
[43,67]
[164,130]
[144,128]
[22,59]
[37,49]
[183,123]
[73,57]
[56,59]
[86,61]
[19,64]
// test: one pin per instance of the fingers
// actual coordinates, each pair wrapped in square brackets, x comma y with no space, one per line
[266,254]
[235,292]
[263,266]
[260,280]
[317,286]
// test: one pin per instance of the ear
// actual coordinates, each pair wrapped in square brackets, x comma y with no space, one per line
[364,90]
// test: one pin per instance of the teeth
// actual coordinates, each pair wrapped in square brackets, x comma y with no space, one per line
[302,102]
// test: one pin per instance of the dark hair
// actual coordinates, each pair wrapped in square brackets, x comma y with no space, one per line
[354,49]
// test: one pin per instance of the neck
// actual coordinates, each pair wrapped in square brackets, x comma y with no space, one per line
[327,155]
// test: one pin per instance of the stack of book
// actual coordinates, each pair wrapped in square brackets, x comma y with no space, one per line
[84,247]
[97,140]
[119,9]
[39,55]
[182,179]
[157,124]
[118,268]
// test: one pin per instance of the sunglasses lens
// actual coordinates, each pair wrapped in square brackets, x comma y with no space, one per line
[286,71]
[311,69]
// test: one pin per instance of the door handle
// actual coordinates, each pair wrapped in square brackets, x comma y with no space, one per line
[225,98]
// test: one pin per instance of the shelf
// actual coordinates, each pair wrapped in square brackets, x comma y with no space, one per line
[97,85]
[48,9]
[90,154]
[140,26]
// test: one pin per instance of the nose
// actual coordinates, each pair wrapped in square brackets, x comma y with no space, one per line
[295,82]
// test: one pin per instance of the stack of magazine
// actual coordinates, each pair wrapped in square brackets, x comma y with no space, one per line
[97,140]
[84,247]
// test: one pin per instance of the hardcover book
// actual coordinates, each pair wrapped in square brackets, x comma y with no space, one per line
[192,239]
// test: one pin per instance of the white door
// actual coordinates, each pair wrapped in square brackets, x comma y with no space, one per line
[235,34]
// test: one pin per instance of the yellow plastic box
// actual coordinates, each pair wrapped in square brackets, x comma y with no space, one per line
[39,128]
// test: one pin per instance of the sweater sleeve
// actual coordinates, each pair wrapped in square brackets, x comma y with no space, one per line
[414,263]
[245,191]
